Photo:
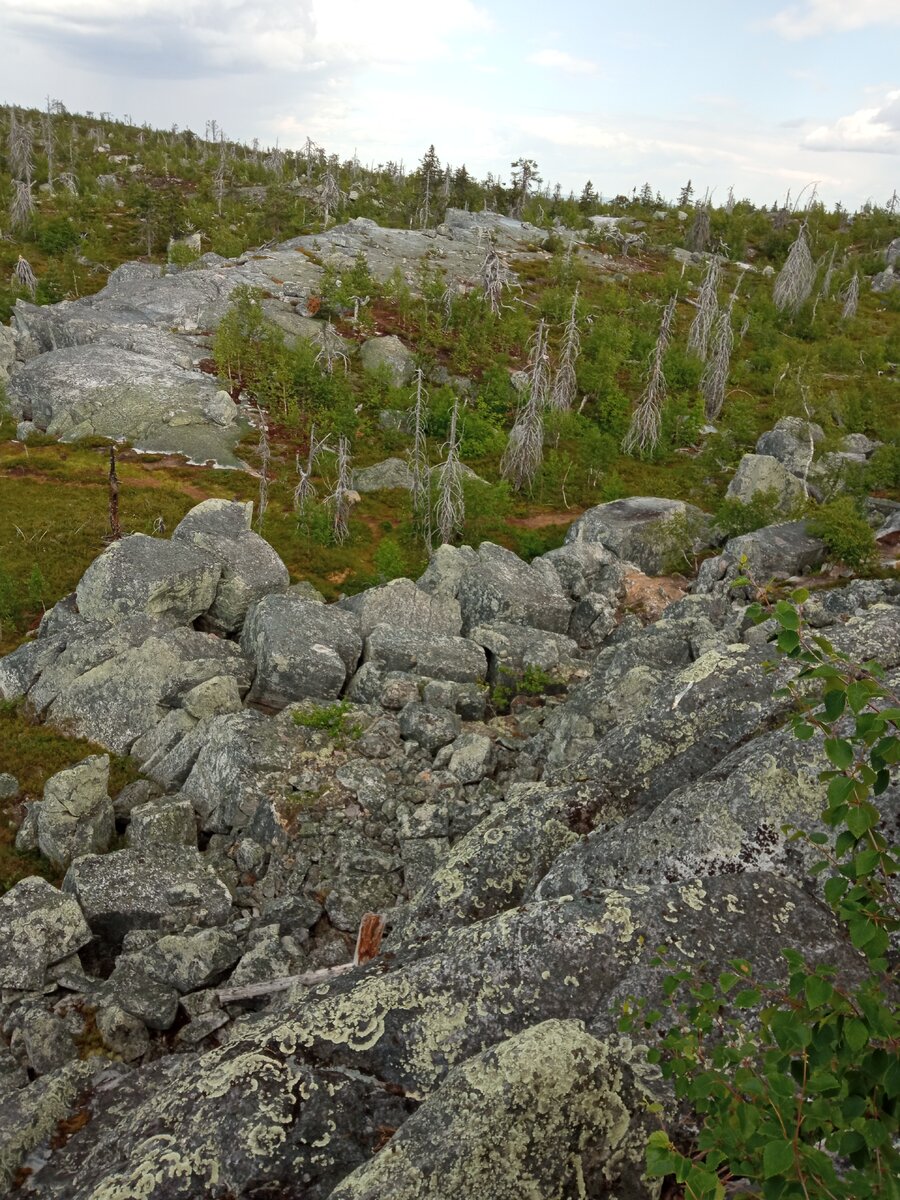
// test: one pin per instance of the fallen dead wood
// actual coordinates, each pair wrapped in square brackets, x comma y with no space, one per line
[368,943]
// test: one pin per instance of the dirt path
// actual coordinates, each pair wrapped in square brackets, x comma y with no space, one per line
[542,520]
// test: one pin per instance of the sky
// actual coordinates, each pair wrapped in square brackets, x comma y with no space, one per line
[761,97]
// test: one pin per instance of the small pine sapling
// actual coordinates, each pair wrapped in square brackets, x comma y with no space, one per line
[646,420]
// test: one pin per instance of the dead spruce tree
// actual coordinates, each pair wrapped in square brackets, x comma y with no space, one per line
[305,491]
[524,451]
[419,469]
[646,420]
[450,505]
[715,376]
[796,278]
[565,383]
[698,234]
[24,275]
[341,498]
[331,353]
[851,298]
[265,459]
[707,310]
[329,197]
[495,276]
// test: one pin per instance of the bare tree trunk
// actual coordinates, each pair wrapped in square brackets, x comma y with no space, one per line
[115,526]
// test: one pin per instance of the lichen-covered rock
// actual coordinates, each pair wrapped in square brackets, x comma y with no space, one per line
[761,473]
[452,659]
[471,757]
[140,574]
[137,889]
[387,475]
[123,392]
[251,569]
[730,821]
[773,552]
[430,727]
[405,606]
[166,821]
[512,649]
[39,926]
[302,649]
[499,586]
[30,1115]
[123,1034]
[495,866]
[251,1112]
[446,568]
[793,442]
[390,355]
[635,529]
[190,961]
[109,686]
[9,786]
[551,1112]
[76,814]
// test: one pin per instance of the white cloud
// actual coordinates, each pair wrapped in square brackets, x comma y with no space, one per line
[561,60]
[242,34]
[872,130]
[814,17]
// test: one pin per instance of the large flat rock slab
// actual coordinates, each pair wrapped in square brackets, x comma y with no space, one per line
[99,391]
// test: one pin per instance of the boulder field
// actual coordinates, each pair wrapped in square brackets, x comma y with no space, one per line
[531,788]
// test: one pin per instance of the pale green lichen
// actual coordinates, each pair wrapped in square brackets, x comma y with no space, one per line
[515,1124]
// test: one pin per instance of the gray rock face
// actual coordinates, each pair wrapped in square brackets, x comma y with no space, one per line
[9,786]
[776,551]
[582,1087]
[76,814]
[7,351]
[758,473]
[403,605]
[446,568]
[455,659]
[430,727]
[793,442]
[512,649]
[109,686]
[132,889]
[141,574]
[498,586]
[389,354]
[250,568]
[387,475]
[39,926]
[168,821]
[93,390]
[634,529]
[302,649]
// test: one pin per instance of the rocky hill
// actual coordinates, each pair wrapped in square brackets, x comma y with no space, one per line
[522,785]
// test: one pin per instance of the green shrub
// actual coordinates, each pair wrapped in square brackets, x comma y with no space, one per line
[846,533]
[734,518]
[332,719]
